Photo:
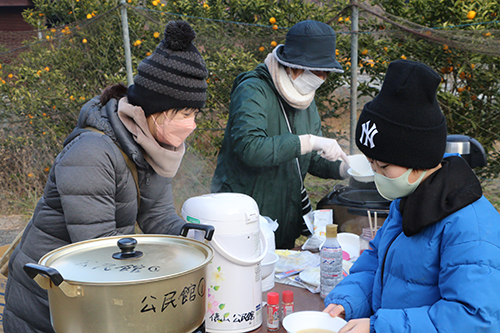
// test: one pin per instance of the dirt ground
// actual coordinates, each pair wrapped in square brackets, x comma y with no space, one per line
[10,227]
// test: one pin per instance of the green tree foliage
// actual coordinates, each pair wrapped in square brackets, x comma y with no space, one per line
[79,50]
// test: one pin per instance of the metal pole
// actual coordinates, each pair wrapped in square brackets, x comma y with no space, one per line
[354,75]
[126,44]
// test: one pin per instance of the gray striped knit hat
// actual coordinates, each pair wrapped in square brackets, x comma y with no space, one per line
[173,77]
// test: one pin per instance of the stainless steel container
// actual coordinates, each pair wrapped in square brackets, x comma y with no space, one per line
[470,149]
[148,283]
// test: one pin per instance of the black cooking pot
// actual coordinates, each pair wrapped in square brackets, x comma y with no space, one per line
[351,205]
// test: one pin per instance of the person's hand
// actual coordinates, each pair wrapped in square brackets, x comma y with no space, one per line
[328,148]
[335,310]
[343,169]
[357,326]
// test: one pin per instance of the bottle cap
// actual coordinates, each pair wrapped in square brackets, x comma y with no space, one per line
[273,298]
[287,296]
[331,230]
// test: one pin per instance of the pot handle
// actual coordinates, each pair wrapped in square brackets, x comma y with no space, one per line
[241,261]
[34,269]
[209,229]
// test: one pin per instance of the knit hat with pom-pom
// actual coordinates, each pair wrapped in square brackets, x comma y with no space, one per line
[173,77]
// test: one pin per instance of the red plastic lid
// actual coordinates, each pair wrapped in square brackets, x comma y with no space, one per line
[287,296]
[273,298]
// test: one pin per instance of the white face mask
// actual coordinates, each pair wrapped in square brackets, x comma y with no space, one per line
[307,82]
[393,188]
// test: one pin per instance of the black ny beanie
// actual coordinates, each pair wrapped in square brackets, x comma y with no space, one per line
[403,124]
[173,77]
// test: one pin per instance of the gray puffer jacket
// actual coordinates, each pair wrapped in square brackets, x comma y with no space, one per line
[90,193]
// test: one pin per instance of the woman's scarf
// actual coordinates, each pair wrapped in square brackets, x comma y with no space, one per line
[165,162]
[285,86]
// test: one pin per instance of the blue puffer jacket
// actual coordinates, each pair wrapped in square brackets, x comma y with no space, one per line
[444,278]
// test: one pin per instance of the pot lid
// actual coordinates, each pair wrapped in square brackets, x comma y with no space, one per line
[364,198]
[152,257]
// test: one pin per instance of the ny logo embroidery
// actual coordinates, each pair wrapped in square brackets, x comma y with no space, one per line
[368,134]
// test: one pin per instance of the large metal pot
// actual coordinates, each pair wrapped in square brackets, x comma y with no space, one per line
[149,283]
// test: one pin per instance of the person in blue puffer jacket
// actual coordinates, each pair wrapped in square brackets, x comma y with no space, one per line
[434,265]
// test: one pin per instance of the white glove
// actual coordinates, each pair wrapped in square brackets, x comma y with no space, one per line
[343,169]
[328,148]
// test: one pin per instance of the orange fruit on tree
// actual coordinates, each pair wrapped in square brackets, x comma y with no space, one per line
[471,14]
[272,20]
[273,43]
[445,47]
[364,52]
[262,48]
[488,34]
[275,27]
[460,89]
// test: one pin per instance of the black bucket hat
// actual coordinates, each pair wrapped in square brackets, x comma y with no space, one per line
[309,45]
[404,125]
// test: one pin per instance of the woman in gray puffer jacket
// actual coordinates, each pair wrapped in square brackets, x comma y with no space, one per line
[91,192]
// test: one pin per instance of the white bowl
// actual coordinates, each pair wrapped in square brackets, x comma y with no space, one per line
[267,264]
[312,320]
[361,178]
[349,243]
[360,168]
[359,163]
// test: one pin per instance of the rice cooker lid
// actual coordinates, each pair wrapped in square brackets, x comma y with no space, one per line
[155,257]
[221,207]
[364,198]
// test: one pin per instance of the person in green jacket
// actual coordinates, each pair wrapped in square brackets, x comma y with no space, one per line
[273,134]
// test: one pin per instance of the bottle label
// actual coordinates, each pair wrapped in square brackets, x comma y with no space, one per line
[273,317]
[331,268]
[287,309]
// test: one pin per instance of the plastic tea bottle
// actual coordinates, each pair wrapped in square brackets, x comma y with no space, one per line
[331,261]
[287,302]
[273,311]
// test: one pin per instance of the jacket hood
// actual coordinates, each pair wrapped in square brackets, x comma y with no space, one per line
[105,118]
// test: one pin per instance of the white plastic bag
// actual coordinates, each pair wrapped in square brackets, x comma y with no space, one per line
[268,228]
[320,218]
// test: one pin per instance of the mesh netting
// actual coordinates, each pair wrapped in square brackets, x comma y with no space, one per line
[55,70]
[464,39]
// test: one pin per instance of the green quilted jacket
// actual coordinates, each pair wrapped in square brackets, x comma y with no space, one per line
[258,154]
